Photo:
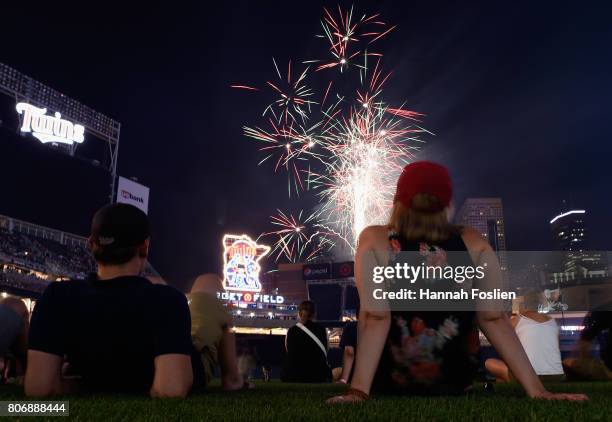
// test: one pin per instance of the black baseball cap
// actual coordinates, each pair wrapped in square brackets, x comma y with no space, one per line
[119,225]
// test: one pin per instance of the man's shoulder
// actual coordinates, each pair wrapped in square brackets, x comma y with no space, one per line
[315,326]
[66,286]
[58,295]
[168,294]
[295,329]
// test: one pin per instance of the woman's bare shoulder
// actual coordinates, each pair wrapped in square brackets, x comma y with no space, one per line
[374,236]
[536,316]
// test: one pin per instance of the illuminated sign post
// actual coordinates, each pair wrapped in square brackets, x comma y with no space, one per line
[49,128]
[251,298]
[241,268]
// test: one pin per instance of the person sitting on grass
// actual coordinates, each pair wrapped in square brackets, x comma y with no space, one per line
[248,360]
[118,331]
[539,335]
[597,324]
[211,333]
[14,324]
[306,346]
[429,352]
[348,344]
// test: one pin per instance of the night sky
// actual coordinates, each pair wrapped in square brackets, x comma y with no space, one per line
[517,94]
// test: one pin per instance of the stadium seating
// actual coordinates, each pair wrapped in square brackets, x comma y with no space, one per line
[21,282]
[32,256]
[44,255]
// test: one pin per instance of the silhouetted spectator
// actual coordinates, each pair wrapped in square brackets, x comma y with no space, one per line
[306,345]
[14,324]
[597,325]
[348,345]
[404,350]
[118,331]
[211,333]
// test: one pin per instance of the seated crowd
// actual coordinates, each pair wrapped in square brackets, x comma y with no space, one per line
[118,331]
[35,252]
[11,277]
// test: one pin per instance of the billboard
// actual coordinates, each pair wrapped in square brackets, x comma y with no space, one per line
[316,271]
[130,192]
[343,269]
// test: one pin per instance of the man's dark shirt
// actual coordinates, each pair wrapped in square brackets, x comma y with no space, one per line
[110,331]
[598,323]
[305,360]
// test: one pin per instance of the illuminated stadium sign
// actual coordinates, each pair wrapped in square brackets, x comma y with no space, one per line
[241,267]
[250,297]
[49,128]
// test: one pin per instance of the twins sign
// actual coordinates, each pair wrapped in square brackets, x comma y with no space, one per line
[49,128]
[241,267]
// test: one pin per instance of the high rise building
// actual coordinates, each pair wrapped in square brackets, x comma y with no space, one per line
[486,215]
[570,236]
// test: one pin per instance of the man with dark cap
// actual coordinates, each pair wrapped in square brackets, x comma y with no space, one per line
[118,331]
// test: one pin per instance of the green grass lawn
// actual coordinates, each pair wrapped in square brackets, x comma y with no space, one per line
[292,402]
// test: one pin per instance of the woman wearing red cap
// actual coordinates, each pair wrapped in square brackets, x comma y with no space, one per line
[432,352]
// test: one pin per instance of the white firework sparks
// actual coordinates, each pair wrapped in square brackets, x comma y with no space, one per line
[366,155]
[350,157]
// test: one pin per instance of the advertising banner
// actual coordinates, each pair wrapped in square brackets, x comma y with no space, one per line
[343,269]
[316,271]
[130,192]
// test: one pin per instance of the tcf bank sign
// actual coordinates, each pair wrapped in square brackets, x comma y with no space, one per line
[241,268]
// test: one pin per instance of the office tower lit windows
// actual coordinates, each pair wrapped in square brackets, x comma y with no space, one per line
[486,215]
[570,236]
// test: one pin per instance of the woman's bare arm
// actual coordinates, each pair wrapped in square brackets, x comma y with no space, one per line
[374,322]
[496,326]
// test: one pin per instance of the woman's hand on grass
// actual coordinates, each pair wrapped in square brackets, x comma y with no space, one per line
[345,398]
[547,395]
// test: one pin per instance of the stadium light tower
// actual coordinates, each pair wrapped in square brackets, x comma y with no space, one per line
[69,114]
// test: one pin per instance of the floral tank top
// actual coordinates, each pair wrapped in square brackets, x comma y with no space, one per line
[429,352]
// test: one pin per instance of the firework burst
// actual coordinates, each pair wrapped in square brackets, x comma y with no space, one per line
[367,151]
[298,238]
[292,98]
[349,38]
[291,148]
[348,150]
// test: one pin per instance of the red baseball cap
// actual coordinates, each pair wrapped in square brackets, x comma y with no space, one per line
[424,177]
